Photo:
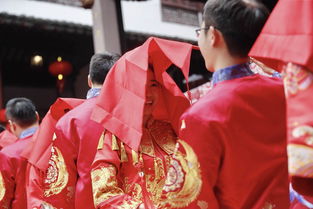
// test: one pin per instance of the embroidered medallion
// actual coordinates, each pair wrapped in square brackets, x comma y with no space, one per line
[2,187]
[183,181]
[57,174]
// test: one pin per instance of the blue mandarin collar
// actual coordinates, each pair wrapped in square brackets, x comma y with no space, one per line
[28,132]
[93,92]
[231,72]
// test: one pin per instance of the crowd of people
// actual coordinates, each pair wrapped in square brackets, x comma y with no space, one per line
[242,141]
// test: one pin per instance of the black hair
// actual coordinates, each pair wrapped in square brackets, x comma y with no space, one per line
[100,64]
[22,111]
[239,21]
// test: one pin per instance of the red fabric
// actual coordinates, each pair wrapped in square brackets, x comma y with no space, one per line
[238,133]
[287,35]
[6,138]
[299,88]
[38,152]
[19,163]
[6,182]
[78,138]
[122,97]
[126,173]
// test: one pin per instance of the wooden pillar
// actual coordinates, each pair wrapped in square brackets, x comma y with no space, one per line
[108,30]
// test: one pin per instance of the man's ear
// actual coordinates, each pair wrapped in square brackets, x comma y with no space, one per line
[89,81]
[216,36]
[37,116]
[12,126]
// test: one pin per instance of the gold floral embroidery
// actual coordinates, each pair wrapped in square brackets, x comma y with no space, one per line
[135,190]
[183,182]
[129,204]
[164,136]
[45,205]
[104,184]
[2,187]
[268,205]
[300,160]
[202,204]
[155,183]
[304,130]
[296,79]
[57,174]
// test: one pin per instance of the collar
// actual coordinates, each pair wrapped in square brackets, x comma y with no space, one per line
[231,72]
[93,92]
[28,132]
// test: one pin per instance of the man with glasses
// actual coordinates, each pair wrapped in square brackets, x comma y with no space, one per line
[233,149]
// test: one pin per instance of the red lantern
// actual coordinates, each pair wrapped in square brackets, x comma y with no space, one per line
[3,118]
[60,69]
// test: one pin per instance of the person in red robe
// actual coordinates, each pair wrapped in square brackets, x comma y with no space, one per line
[23,119]
[285,45]
[6,138]
[232,152]
[75,145]
[38,154]
[6,182]
[139,109]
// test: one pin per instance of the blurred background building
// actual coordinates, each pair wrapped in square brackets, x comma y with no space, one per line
[46,45]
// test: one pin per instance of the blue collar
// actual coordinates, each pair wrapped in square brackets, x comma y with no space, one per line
[93,92]
[231,72]
[28,132]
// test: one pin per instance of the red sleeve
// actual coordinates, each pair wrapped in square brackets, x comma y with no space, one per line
[7,183]
[193,172]
[106,186]
[61,175]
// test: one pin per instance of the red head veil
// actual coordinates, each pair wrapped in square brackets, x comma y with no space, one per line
[287,35]
[121,102]
[39,151]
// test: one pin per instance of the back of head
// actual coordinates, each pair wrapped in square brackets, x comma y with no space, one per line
[21,111]
[100,64]
[239,21]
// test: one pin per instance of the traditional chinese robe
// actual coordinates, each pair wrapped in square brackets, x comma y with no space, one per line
[285,44]
[6,183]
[6,138]
[233,148]
[18,168]
[40,169]
[131,161]
[122,177]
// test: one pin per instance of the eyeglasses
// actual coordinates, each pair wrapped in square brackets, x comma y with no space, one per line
[199,29]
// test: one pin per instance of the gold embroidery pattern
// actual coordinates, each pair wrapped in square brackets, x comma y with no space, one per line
[57,174]
[296,79]
[104,184]
[300,160]
[203,204]
[183,182]
[155,183]
[268,205]
[164,136]
[129,204]
[306,131]
[2,187]
[134,191]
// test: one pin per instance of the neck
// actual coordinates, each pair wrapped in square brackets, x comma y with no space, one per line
[96,86]
[226,61]
[19,130]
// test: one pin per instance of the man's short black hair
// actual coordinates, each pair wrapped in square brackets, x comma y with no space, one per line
[21,111]
[240,22]
[100,64]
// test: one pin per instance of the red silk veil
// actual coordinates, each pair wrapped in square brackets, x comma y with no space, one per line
[120,105]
